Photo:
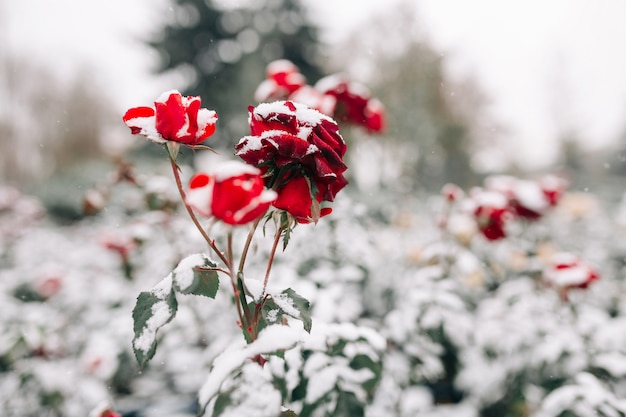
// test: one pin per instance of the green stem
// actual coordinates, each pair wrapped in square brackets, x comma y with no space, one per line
[194,219]
[246,246]
[240,297]
[279,232]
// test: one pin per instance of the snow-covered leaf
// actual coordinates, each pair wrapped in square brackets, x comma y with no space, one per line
[152,311]
[287,303]
[270,340]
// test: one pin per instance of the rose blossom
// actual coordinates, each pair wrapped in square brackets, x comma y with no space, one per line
[292,142]
[354,102]
[283,78]
[567,271]
[174,118]
[553,188]
[491,212]
[235,193]
[452,192]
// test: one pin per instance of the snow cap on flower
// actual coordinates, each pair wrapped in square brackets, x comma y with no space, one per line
[491,212]
[452,192]
[553,188]
[174,118]
[567,270]
[232,192]
[525,197]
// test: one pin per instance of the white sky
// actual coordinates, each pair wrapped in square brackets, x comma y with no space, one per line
[547,64]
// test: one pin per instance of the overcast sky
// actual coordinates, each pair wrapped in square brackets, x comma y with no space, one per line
[547,64]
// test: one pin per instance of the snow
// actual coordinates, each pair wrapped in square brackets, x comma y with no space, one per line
[489,199]
[229,169]
[161,314]
[330,82]
[271,339]
[184,272]
[530,195]
[305,115]
[206,117]
[572,276]
[272,315]
[166,95]
[321,383]
[281,65]
[612,362]
[255,143]
[163,289]
[286,304]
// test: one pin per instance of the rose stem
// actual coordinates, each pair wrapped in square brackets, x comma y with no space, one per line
[204,234]
[246,246]
[237,292]
[279,232]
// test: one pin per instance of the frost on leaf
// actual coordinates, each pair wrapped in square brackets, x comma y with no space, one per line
[196,275]
[152,311]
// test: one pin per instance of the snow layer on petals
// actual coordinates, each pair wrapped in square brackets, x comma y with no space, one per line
[230,169]
[205,118]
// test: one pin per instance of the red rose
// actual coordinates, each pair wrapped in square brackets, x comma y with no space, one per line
[491,212]
[354,102]
[295,198]
[283,78]
[553,188]
[452,192]
[291,141]
[568,271]
[526,198]
[235,194]
[175,118]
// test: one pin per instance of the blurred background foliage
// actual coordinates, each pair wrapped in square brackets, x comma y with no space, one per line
[439,128]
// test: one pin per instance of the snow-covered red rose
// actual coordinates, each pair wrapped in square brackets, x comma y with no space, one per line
[491,212]
[292,142]
[283,78]
[174,118]
[567,271]
[354,102]
[233,192]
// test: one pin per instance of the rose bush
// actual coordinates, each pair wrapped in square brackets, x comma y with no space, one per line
[174,118]
[235,193]
[292,142]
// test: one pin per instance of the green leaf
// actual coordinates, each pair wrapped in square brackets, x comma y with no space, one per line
[221,403]
[348,405]
[361,361]
[196,275]
[205,282]
[288,413]
[152,311]
[287,303]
